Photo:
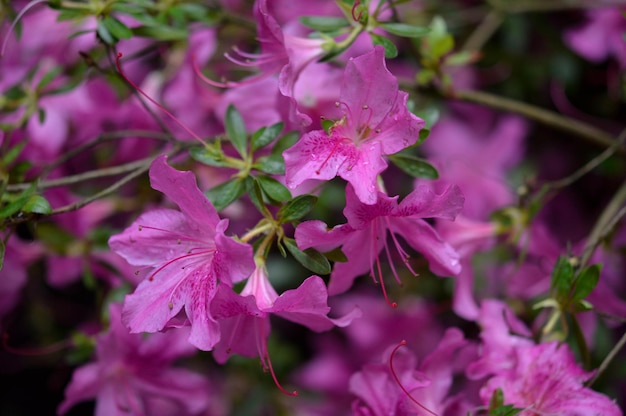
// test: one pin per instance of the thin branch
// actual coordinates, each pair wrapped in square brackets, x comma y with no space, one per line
[608,219]
[607,360]
[547,117]
[484,31]
[82,177]
[526,6]
[117,185]
[589,166]
[103,138]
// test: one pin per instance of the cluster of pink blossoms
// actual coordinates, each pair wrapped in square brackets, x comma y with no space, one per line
[485,304]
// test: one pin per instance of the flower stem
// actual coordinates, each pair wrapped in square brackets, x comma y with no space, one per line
[547,117]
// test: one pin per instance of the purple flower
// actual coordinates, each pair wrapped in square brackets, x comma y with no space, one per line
[133,375]
[375,122]
[399,386]
[545,379]
[190,257]
[365,235]
[244,318]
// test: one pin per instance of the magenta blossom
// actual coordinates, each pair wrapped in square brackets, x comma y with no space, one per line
[244,318]
[375,122]
[399,386]
[132,375]
[546,380]
[190,257]
[365,235]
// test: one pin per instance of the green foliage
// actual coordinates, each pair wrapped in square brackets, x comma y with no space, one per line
[309,258]
[414,166]
[226,193]
[404,30]
[296,208]
[391,51]
[265,135]
[498,408]
[236,130]
[324,23]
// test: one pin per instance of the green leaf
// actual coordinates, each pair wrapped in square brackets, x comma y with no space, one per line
[208,156]
[324,23]
[296,208]
[414,166]
[461,58]
[390,48]
[285,142]
[586,281]
[236,130]
[423,135]
[161,32]
[37,204]
[404,30]
[274,189]
[309,258]
[274,164]
[104,34]
[562,279]
[118,29]
[327,124]
[14,206]
[12,154]
[226,193]
[265,135]
[425,76]
[429,114]
[336,255]
[256,194]
[49,77]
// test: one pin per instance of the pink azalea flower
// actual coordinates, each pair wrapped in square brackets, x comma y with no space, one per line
[365,235]
[375,122]
[244,318]
[545,379]
[399,386]
[132,374]
[601,36]
[190,256]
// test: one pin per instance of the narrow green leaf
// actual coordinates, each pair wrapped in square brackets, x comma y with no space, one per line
[586,281]
[161,32]
[336,255]
[13,153]
[37,204]
[404,30]
[414,166]
[274,164]
[423,135]
[324,23]
[49,77]
[391,51]
[226,193]
[208,156]
[274,189]
[236,130]
[309,258]
[118,29]
[14,206]
[104,34]
[285,142]
[265,136]
[562,279]
[256,194]
[296,208]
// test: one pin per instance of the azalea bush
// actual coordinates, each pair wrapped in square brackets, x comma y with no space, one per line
[321,207]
